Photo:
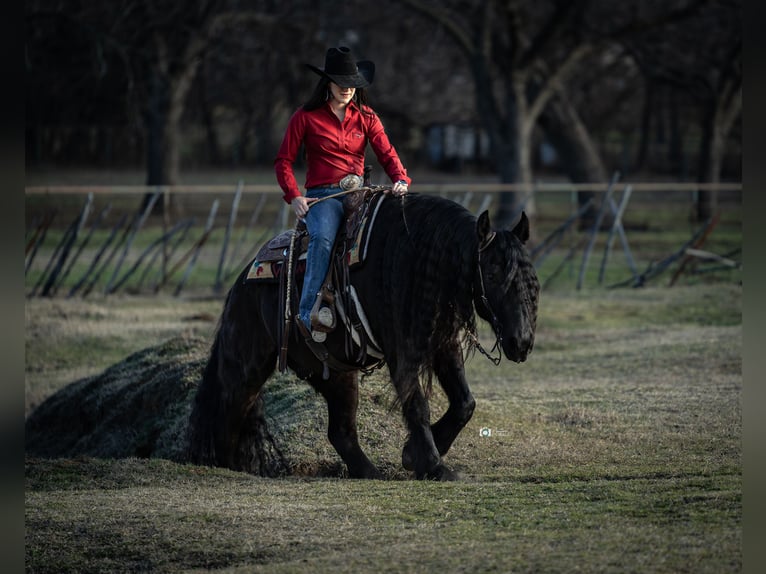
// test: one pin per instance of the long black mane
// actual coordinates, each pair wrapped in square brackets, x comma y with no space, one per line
[430,248]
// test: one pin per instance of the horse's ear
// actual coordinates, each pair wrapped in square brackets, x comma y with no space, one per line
[522,228]
[484,230]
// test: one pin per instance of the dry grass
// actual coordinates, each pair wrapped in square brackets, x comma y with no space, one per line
[615,448]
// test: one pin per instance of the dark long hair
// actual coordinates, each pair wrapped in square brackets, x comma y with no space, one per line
[321,94]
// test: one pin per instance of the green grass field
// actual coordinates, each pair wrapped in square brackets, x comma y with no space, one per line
[615,448]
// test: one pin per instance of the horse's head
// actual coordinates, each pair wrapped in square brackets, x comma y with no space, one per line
[508,289]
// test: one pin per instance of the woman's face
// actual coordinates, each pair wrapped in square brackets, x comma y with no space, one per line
[341,95]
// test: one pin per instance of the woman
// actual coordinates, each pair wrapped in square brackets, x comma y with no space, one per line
[335,125]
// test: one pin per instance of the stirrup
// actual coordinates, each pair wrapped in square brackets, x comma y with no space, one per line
[325,317]
[316,336]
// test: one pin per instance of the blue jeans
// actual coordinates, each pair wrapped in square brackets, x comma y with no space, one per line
[322,222]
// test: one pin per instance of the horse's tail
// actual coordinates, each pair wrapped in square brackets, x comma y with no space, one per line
[206,412]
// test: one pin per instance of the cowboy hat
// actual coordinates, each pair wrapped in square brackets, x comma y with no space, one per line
[339,67]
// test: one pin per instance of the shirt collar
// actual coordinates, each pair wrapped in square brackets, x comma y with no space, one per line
[351,105]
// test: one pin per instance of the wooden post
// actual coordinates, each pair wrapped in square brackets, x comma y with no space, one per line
[696,244]
[162,274]
[218,286]
[594,231]
[158,245]
[96,224]
[557,235]
[617,228]
[38,238]
[236,267]
[96,259]
[138,224]
[198,248]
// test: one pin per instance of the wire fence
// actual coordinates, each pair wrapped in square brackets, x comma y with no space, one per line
[87,240]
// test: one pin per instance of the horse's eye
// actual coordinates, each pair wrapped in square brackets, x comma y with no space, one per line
[492,273]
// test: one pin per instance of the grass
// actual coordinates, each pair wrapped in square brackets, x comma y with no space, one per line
[615,448]
[182,518]
[67,339]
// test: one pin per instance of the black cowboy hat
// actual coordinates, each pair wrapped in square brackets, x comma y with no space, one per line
[339,67]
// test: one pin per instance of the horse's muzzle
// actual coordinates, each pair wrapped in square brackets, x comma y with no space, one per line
[517,350]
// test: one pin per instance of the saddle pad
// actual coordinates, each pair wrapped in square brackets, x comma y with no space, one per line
[276,248]
[358,251]
[263,270]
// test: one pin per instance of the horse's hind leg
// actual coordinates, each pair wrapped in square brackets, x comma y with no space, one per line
[223,423]
[242,384]
[450,371]
[341,391]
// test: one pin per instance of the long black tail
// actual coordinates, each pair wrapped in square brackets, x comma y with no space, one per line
[204,421]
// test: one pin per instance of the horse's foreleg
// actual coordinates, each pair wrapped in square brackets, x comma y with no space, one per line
[450,371]
[420,453]
[341,391]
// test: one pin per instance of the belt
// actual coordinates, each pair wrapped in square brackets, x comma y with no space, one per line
[347,183]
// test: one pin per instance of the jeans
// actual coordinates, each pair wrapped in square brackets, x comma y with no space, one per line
[322,222]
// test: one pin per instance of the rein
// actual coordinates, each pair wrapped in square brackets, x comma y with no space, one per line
[288,305]
[348,191]
[373,188]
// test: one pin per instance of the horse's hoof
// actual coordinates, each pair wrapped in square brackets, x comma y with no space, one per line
[441,473]
[407,461]
[409,456]
[372,474]
[367,471]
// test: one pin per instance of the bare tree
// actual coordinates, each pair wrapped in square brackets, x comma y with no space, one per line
[518,63]
[700,57]
[160,45]
[253,81]
[523,55]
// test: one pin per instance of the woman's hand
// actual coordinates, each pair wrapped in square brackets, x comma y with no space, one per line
[400,188]
[301,205]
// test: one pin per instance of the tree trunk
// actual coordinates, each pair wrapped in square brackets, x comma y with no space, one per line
[708,170]
[717,123]
[179,87]
[211,136]
[646,124]
[579,155]
[155,125]
[155,130]
[676,144]
[510,147]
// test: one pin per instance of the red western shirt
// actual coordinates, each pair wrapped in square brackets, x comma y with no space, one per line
[333,149]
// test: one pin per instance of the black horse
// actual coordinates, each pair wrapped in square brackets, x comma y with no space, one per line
[431,268]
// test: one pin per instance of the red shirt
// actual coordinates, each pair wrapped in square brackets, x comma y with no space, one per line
[333,149]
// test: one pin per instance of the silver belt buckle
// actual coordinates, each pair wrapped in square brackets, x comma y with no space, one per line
[351,181]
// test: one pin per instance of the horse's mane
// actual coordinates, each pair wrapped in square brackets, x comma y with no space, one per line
[430,260]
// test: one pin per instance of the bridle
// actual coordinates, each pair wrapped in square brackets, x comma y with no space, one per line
[496,325]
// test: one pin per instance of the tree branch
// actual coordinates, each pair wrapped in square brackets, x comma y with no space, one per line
[441,16]
[550,31]
[552,83]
